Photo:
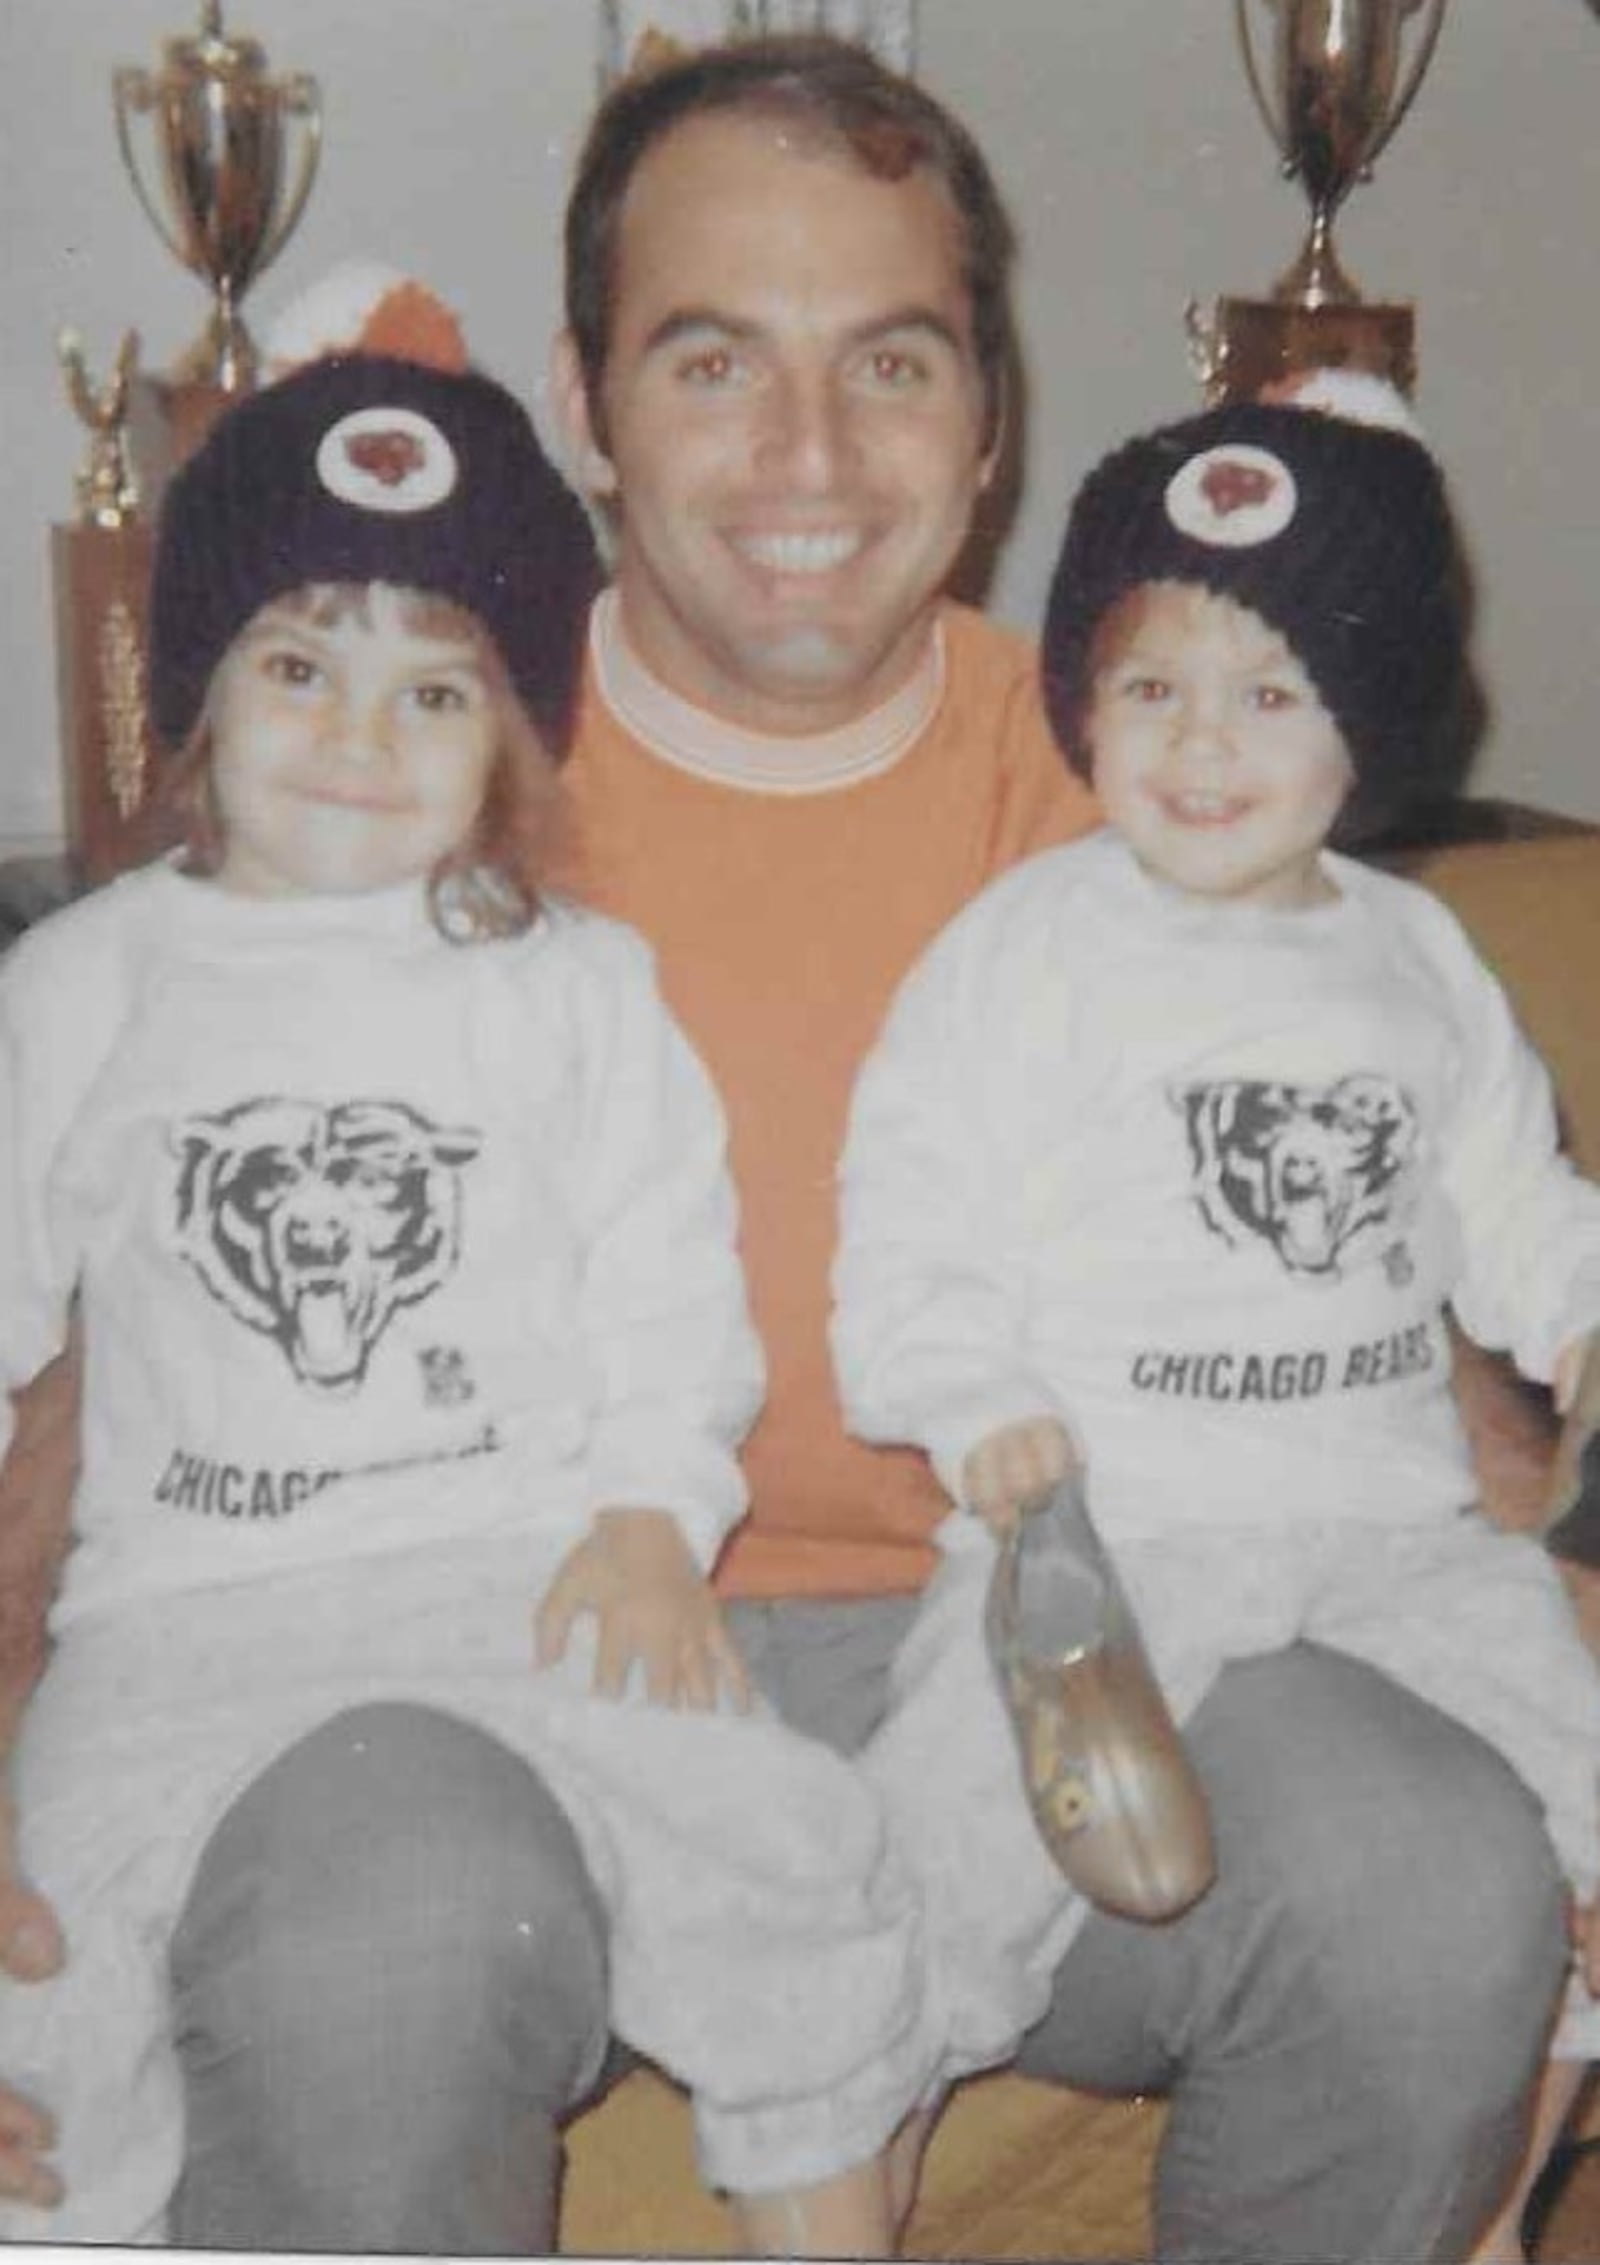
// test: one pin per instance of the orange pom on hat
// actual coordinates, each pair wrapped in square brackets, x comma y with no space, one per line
[364,307]
[375,453]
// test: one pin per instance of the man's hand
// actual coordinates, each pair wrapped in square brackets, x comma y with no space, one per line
[652,1607]
[1511,1433]
[26,2137]
[31,1948]
[1013,1466]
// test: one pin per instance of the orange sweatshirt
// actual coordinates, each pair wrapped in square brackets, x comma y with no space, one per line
[783,925]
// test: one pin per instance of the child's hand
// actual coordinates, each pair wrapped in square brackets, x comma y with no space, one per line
[1568,1372]
[1015,1465]
[1586,1946]
[652,1606]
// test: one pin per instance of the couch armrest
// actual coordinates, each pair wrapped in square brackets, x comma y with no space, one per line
[1533,909]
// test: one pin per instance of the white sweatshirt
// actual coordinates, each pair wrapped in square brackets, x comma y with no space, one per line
[1199,1179]
[379,1239]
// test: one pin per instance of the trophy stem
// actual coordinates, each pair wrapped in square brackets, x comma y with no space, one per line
[1318,277]
[224,356]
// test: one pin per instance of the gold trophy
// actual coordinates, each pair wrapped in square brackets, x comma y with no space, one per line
[1339,83]
[100,565]
[107,492]
[221,128]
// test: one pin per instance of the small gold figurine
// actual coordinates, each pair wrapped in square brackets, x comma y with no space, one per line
[107,492]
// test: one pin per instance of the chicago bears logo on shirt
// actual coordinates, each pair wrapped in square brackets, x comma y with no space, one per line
[316,1225]
[1300,1168]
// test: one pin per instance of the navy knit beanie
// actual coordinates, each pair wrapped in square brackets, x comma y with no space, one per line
[359,468]
[1336,533]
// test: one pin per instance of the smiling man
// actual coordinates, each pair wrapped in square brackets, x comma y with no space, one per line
[784,382]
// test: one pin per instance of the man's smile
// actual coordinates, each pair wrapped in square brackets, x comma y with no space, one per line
[801,552]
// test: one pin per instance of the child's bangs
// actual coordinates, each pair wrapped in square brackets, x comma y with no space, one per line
[423,613]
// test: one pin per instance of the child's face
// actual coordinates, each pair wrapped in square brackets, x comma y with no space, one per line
[350,751]
[1213,756]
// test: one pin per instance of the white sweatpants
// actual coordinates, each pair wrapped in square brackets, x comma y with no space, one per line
[765,1946]
[1472,1619]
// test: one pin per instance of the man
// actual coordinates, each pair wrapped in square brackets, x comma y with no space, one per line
[784,379]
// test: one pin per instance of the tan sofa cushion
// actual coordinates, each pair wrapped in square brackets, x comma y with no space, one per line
[1533,909]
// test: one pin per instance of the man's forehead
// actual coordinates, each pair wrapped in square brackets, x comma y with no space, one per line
[736,206]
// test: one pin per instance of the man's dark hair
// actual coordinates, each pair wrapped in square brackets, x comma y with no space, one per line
[844,98]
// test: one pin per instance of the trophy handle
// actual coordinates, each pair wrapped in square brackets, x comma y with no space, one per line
[134,89]
[1420,60]
[301,98]
[1241,25]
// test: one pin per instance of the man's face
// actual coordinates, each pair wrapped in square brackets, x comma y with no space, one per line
[791,422]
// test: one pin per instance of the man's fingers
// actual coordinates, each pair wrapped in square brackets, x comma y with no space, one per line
[24,2178]
[31,1945]
[27,2133]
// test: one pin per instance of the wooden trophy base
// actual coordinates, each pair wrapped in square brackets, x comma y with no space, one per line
[1242,346]
[168,418]
[101,577]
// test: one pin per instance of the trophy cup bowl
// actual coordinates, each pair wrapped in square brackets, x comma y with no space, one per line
[228,199]
[1338,83]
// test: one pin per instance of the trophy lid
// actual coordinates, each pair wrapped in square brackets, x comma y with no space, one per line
[211,54]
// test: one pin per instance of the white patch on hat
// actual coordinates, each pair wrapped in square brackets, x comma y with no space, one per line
[383,459]
[1232,496]
[328,317]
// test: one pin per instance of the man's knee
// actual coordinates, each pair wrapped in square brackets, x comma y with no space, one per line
[1394,1857]
[392,1953]
[1386,1894]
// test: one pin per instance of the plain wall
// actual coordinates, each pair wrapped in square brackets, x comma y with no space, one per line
[1138,173]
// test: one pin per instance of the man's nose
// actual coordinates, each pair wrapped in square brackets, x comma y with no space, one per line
[808,429]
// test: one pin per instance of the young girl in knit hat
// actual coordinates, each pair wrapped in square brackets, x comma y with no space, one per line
[1175,1151]
[396,1209]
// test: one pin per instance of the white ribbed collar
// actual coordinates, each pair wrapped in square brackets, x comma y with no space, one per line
[692,740]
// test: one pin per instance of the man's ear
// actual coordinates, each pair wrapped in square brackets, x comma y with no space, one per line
[989,464]
[587,461]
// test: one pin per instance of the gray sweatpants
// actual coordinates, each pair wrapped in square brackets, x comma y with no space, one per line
[1348,2025]
[762,1941]
[1471,1619]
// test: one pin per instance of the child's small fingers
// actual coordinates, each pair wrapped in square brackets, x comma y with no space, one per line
[552,1624]
[697,1675]
[731,1669]
[613,1660]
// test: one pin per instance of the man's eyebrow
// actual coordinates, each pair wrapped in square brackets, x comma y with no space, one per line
[695,322]
[700,322]
[915,317]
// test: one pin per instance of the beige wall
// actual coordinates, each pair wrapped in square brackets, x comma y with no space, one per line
[1138,173]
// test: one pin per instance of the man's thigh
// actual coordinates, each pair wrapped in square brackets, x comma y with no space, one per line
[1349,2021]
[1338,1799]
[824,1664]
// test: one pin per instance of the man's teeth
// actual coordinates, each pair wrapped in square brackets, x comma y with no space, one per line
[800,554]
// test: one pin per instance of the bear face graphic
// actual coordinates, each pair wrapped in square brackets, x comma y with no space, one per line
[316,1225]
[1300,1168]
